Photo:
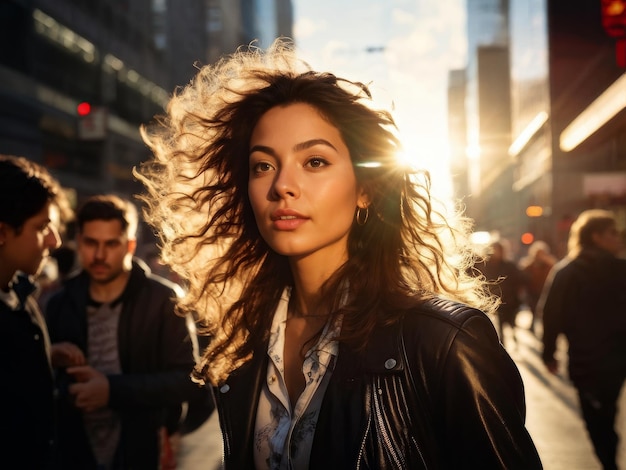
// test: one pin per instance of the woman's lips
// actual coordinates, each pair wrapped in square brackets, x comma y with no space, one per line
[286,219]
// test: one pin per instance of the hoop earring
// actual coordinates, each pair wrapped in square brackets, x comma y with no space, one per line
[360,218]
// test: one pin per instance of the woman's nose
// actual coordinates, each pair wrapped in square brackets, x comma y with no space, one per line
[286,183]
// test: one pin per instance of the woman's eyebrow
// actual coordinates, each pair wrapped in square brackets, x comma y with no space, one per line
[296,148]
[311,143]
[264,149]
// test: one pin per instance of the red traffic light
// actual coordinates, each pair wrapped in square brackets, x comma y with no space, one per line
[614,17]
[83,109]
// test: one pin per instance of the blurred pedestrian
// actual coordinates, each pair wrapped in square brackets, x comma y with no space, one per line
[319,264]
[61,264]
[124,391]
[32,206]
[585,299]
[535,268]
[505,281]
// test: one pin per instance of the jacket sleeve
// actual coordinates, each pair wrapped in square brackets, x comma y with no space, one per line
[551,308]
[481,401]
[159,357]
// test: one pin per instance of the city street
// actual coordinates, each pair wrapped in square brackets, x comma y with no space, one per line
[553,418]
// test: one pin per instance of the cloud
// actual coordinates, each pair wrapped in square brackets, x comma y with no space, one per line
[402,17]
[307,27]
[423,40]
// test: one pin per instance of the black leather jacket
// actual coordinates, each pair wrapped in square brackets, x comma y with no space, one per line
[156,355]
[436,390]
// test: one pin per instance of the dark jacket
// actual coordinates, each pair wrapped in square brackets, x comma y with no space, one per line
[26,421]
[585,299]
[156,356]
[435,390]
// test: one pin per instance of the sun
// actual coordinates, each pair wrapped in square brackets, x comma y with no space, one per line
[429,153]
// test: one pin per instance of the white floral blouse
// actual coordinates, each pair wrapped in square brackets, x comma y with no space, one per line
[282,437]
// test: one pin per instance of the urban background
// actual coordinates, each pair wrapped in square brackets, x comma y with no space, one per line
[537,124]
[537,119]
[77,78]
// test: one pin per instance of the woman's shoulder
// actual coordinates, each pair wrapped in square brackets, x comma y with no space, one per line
[444,310]
[438,319]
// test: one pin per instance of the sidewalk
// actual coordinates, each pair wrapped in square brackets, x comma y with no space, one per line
[553,414]
[202,449]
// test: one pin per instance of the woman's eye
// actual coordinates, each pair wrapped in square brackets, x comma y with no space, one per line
[261,167]
[317,162]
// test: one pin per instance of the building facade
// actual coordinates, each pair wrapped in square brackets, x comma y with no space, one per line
[78,78]
[490,169]
[566,106]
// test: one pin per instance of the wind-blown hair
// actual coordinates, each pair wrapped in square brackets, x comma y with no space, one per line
[197,198]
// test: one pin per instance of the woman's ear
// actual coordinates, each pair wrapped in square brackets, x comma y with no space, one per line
[363,201]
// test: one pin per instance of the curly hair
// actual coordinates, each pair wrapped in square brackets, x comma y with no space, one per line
[197,199]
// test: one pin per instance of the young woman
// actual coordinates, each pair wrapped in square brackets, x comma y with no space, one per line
[342,335]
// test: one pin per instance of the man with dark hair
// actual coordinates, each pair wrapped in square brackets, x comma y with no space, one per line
[138,353]
[585,298]
[32,205]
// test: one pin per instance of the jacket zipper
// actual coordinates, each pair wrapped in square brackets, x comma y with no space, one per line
[365,434]
[382,428]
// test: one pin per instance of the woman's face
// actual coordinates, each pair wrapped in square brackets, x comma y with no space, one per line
[302,185]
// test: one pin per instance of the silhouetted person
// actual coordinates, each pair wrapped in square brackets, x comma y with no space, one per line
[31,206]
[134,354]
[505,282]
[585,298]
[535,268]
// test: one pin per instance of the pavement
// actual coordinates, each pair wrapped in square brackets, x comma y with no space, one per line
[553,417]
[202,449]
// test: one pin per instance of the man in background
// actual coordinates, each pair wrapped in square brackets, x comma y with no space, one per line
[585,298]
[31,208]
[127,388]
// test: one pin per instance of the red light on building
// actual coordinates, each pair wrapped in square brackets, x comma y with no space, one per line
[614,17]
[614,23]
[527,238]
[83,109]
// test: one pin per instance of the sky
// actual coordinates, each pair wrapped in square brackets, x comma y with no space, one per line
[403,49]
